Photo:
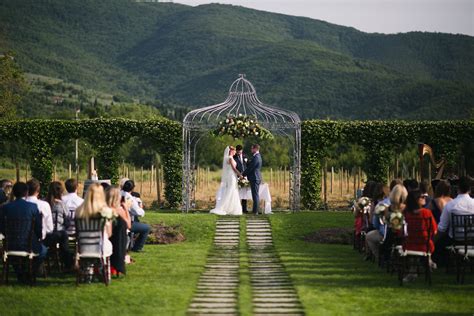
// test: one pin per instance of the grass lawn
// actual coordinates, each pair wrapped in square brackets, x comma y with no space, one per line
[334,279]
[330,279]
[161,282]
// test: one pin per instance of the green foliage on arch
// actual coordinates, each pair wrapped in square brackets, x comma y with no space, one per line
[106,135]
[380,140]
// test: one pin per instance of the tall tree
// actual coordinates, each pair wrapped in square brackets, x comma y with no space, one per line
[12,85]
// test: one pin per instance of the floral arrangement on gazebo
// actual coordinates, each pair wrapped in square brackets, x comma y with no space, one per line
[242,126]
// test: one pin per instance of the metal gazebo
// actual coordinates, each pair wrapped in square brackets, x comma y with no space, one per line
[242,99]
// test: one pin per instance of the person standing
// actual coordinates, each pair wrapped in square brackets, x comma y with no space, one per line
[241,164]
[254,175]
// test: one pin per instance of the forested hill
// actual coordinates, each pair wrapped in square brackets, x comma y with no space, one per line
[190,55]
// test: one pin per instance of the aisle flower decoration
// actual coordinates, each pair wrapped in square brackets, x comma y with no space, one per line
[363,205]
[107,213]
[381,208]
[242,126]
[396,220]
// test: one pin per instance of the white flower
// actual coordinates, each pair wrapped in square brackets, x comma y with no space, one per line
[396,220]
[246,159]
[107,213]
[380,208]
[227,121]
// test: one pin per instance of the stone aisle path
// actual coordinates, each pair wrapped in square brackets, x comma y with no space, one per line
[272,290]
[217,290]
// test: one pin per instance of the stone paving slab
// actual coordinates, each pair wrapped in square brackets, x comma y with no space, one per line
[217,289]
[273,291]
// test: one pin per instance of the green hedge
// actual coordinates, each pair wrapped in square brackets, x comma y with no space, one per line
[106,135]
[380,140]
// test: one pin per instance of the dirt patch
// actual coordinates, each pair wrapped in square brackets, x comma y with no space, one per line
[163,234]
[339,235]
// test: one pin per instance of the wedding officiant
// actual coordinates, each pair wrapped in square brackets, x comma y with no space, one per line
[241,161]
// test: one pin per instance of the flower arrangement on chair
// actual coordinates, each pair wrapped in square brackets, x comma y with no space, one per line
[242,126]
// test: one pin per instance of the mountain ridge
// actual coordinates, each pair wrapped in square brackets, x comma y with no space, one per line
[189,55]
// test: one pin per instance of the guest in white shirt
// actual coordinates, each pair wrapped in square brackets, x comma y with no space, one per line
[141,229]
[43,207]
[463,204]
[72,201]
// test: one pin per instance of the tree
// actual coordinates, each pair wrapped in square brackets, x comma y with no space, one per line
[12,86]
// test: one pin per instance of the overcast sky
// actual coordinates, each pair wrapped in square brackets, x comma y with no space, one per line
[383,16]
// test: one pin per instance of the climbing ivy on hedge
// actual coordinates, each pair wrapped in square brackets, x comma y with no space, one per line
[380,140]
[106,135]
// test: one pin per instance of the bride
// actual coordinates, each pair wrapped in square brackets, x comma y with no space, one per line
[228,199]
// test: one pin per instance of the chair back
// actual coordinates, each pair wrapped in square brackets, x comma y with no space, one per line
[18,234]
[90,236]
[418,233]
[462,229]
[71,215]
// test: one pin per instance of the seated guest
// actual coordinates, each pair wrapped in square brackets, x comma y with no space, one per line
[419,233]
[93,207]
[398,197]
[375,237]
[463,204]
[411,184]
[72,201]
[43,207]
[427,191]
[60,223]
[19,209]
[119,231]
[135,211]
[441,197]
[5,190]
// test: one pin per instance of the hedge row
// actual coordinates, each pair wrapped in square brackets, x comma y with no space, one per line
[107,136]
[380,140]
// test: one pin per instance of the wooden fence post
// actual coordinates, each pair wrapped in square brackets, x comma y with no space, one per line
[325,175]
[158,185]
[141,180]
[332,179]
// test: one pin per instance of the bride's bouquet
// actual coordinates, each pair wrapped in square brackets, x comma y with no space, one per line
[243,183]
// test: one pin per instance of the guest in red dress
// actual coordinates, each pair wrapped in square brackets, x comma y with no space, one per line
[418,221]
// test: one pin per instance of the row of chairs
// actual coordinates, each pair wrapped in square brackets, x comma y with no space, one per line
[402,261]
[88,241]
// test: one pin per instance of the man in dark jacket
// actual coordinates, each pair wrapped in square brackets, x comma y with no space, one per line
[21,210]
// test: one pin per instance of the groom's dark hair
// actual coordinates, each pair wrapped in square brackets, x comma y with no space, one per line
[256,146]
[238,147]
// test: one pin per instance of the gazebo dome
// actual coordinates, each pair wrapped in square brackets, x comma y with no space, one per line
[242,99]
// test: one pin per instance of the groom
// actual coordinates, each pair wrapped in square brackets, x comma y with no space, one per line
[253,174]
[241,164]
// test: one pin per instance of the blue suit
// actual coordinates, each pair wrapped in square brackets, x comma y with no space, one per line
[254,176]
[21,209]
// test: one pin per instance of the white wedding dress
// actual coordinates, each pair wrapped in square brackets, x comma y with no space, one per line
[228,199]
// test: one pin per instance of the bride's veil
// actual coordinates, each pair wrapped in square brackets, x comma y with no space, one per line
[226,168]
[226,157]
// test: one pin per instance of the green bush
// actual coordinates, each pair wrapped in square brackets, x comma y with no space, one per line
[106,135]
[380,140]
